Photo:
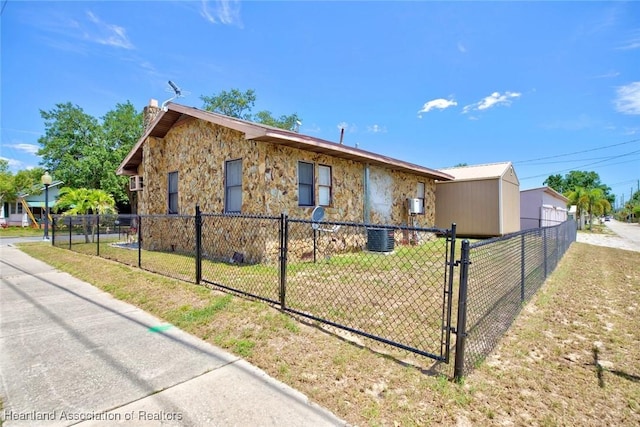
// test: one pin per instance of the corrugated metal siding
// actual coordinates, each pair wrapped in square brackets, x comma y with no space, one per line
[472,205]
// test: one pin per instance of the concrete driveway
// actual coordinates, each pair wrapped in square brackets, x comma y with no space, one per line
[624,236]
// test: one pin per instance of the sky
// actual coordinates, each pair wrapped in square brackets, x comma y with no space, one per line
[549,86]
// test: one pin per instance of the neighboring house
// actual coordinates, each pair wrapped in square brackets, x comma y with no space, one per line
[189,156]
[542,207]
[483,200]
[29,209]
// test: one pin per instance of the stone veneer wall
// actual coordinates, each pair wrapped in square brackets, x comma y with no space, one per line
[197,150]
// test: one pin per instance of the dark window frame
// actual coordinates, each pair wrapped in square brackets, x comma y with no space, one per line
[306,184]
[172,194]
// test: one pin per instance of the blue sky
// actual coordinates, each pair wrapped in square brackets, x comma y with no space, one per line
[433,83]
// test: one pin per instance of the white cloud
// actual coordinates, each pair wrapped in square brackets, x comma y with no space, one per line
[108,34]
[628,99]
[492,100]
[13,163]
[461,48]
[439,103]
[632,42]
[377,129]
[27,148]
[225,12]
[351,128]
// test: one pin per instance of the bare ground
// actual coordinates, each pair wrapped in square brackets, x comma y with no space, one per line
[571,358]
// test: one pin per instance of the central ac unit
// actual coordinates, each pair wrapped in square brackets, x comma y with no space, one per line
[135,183]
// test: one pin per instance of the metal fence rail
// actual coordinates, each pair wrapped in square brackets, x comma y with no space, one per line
[501,275]
[392,284]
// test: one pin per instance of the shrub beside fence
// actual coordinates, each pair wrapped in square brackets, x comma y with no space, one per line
[392,284]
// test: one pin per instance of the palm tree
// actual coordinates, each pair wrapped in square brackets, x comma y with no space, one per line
[82,201]
[578,197]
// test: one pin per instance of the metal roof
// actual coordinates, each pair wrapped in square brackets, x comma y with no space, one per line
[478,172]
[549,191]
[259,132]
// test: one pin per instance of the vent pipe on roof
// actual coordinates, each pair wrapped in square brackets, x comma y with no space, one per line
[341,135]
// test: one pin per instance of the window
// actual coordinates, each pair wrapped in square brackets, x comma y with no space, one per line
[173,193]
[233,186]
[16,208]
[305,184]
[324,185]
[420,195]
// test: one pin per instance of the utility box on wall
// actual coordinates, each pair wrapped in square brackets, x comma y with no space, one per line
[415,206]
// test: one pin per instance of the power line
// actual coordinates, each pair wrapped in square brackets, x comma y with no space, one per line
[583,166]
[578,152]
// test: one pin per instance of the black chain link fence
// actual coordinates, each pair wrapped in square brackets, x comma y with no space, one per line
[502,275]
[386,283]
[392,284]
[242,253]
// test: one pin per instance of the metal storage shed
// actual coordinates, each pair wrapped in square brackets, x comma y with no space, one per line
[542,207]
[483,200]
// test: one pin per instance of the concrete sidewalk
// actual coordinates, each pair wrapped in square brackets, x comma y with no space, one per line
[72,354]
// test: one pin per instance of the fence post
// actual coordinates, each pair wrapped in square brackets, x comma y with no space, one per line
[284,237]
[544,251]
[98,237]
[198,245]
[53,231]
[557,247]
[449,291]
[139,218]
[70,235]
[522,268]
[461,327]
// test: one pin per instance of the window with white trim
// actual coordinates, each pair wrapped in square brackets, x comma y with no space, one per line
[324,185]
[233,186]
[420,195]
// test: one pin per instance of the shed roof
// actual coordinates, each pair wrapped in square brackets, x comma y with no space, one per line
[549,191]
[478,172]
[259,132]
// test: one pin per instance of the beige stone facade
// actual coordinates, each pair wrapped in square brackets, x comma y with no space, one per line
[198,149]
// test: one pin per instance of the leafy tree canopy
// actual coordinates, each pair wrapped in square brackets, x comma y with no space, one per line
[84,152]
[235,103]
[24,181]
[574,179]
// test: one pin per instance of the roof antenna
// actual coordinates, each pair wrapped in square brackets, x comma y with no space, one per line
[177,93]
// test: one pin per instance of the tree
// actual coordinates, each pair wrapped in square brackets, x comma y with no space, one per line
[592,200]
[574,179]
[25,181]
[239,105]
[233,103]
[557,182]
[84,153]
[82,201]
[284,122]
[7,183]
[122,128]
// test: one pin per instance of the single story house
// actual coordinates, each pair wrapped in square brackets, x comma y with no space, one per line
[29,209]
[542,207]
[483,200]
[188,156]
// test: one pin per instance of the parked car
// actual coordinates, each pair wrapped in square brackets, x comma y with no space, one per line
[607,218]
